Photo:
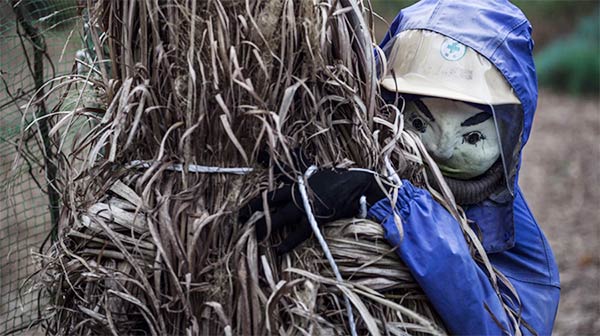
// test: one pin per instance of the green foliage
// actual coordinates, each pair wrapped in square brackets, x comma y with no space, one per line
[532,8]
[572,64]
[552,8]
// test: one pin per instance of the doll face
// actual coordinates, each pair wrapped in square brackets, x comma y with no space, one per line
[461,138]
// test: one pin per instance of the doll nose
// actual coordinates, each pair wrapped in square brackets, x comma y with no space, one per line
[440,153]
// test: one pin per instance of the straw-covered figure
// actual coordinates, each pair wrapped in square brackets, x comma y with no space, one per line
[463,74]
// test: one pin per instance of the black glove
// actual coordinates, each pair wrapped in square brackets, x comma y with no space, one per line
[334,194]
[284,173]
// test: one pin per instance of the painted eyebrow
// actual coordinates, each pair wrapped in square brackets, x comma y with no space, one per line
[476,119]
[424,109]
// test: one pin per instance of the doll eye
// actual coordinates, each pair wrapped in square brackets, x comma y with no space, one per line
[473,137]
[419,124]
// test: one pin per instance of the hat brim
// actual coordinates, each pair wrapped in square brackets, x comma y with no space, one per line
[423,87]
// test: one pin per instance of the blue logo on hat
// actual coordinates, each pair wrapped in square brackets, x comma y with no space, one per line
[452,50]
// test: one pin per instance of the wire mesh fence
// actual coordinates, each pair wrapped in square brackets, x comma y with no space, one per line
[38,41]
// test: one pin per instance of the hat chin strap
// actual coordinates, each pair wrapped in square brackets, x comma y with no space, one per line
[477,189]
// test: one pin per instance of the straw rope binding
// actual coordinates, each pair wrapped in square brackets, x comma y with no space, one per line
[158,159]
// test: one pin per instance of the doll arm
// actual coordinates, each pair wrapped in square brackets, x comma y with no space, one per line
[434,249]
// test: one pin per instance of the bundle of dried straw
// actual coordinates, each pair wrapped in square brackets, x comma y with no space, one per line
[150,245]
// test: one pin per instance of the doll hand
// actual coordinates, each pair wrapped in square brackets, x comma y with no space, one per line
[334,194]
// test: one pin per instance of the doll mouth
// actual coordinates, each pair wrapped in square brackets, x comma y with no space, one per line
[454,172]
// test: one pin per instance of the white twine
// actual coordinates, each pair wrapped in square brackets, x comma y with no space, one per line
[396,179]
[315,227]
[364,170]
[392,172]
[192,168]
[363,207]
[391,177]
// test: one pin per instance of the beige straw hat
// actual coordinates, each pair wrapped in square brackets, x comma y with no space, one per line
[426,63]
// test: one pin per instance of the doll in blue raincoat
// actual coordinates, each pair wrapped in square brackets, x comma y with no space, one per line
[464,73]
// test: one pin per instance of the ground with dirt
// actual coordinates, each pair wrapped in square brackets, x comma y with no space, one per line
[560,179]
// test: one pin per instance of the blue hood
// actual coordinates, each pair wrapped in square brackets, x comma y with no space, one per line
[499,31]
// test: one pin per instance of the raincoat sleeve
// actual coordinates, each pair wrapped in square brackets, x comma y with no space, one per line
[433,247]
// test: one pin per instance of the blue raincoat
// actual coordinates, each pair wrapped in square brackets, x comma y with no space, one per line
[433,245]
